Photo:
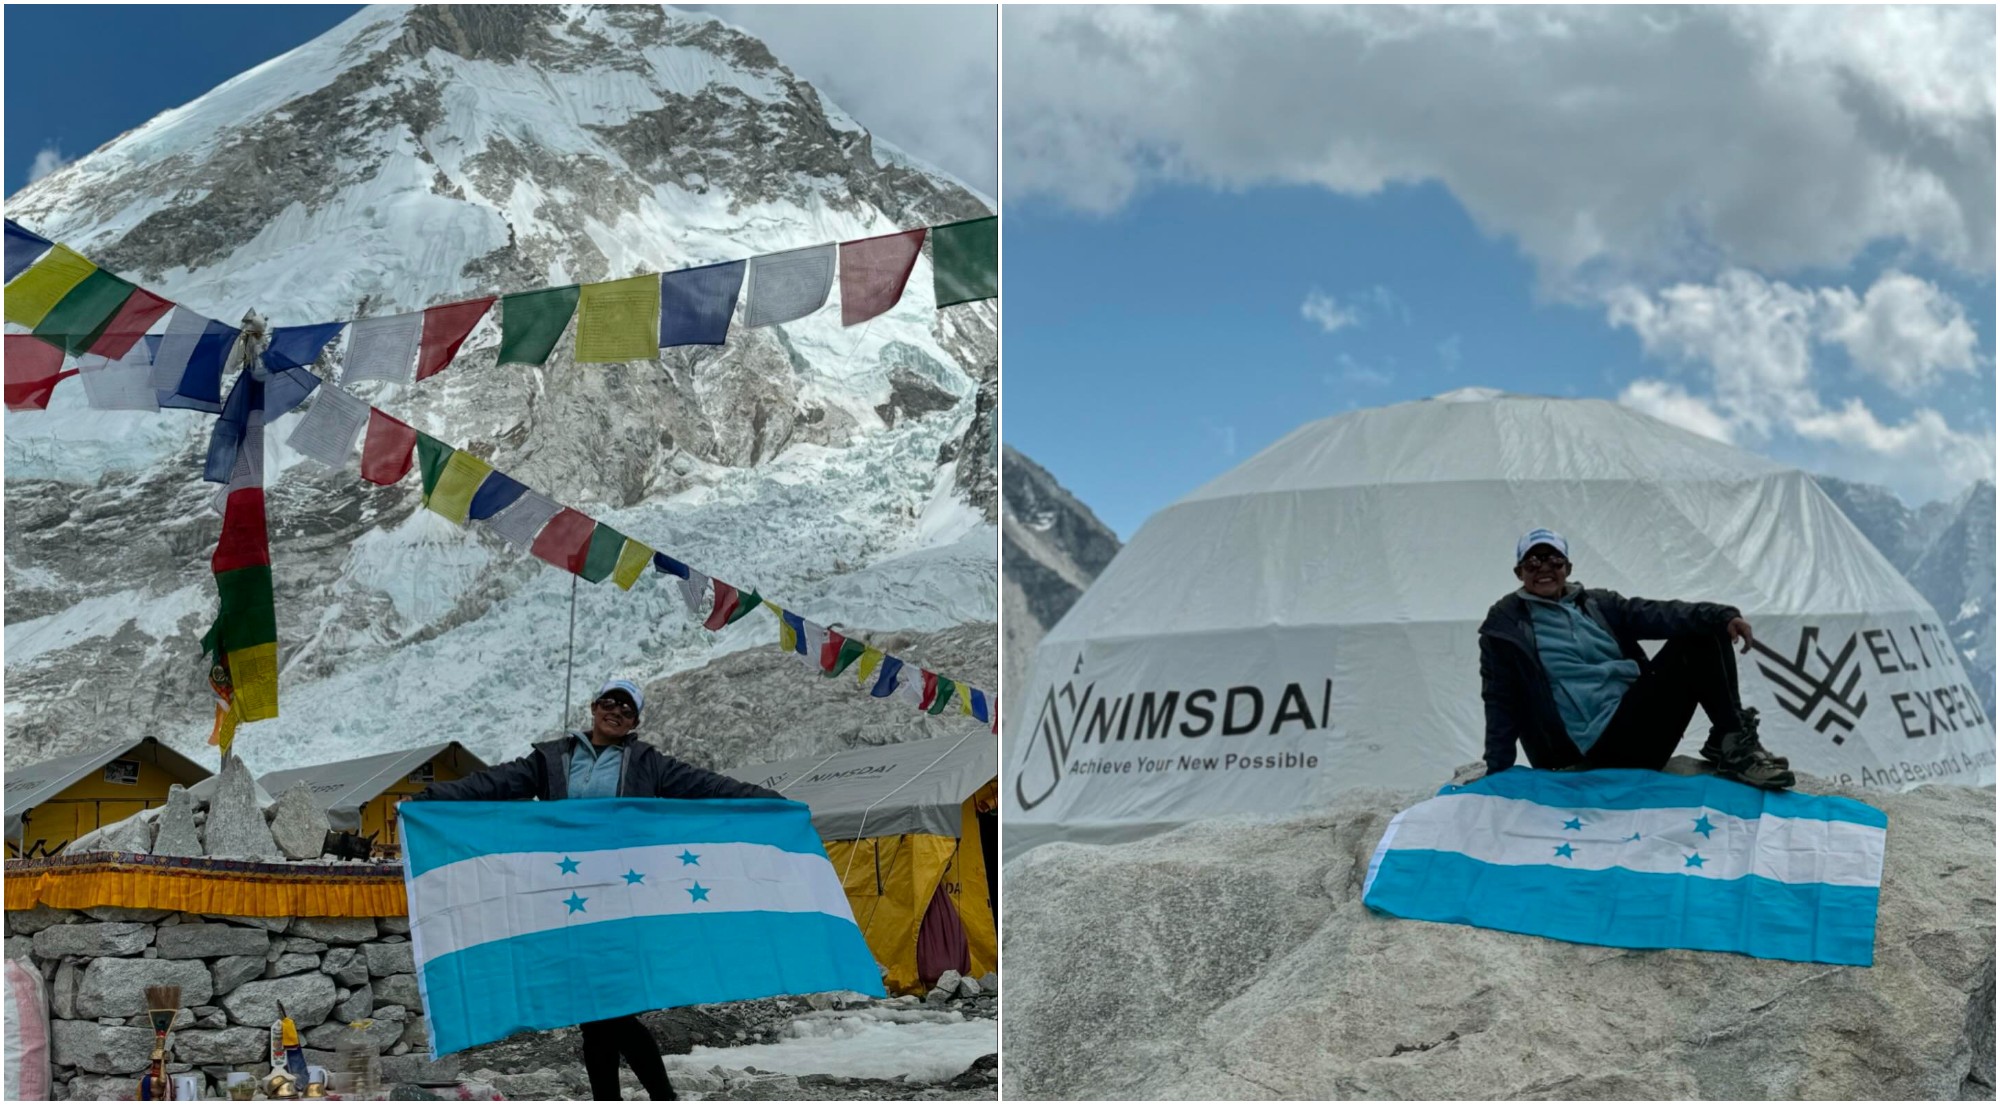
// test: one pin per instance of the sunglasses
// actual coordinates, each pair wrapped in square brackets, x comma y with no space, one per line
[1537,560]
[616,707]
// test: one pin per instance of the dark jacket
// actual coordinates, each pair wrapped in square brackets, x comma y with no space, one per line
[1520,703]
[544,773]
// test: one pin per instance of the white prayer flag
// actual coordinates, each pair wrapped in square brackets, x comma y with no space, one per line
[815,638]
[326,432]
[524,518]
[694,592]
[177,344]
[383,349]
[125,384]
[789,285]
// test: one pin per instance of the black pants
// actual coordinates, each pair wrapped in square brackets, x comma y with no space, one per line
[605,1041]
[1654,714]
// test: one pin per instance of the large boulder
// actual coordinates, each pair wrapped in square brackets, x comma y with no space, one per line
[27,922]
[335,930]
[201,941]
[232,971]
[298,824]
[308,997]
[175,835]
[235,828]
[1234,959]
[398,990]
[234,1046]
[345,965]
[102,938]
[389,959]
[116,987]
[100,1049]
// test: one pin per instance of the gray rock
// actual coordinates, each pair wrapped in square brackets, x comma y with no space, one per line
[102,1087]
[990,982]
[355,1006]
[289,964]
[398,990]
[128,914]
[345,965]
[938,995]
[298,945]
[399,926]
[100,1049]
[232,971]
[418,1068]
[268,924]
[62,990]
[393,938]
[335,930]
[175,835]
[116,987]
[384,1029]
[308,997]
[235,827]
[298,824]
[212,1017]
[223,1045]
[20,947]
[132,835]
[103,938]
[201,941]
[416,1034]
[1168,967]
[948,981]
[968,988]
[692,1080]
[27,922]
[388,959]
[539,1085]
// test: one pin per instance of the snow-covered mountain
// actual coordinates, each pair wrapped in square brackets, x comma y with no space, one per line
[417,156]
[1052,548]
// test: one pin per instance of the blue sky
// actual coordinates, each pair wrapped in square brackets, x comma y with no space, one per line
[1220,225]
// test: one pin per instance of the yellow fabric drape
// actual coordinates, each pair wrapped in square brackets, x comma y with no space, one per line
[211,892]
[889,900]
[966,877]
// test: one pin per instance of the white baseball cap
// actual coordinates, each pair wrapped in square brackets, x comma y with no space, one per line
[1539,537]
[629,687]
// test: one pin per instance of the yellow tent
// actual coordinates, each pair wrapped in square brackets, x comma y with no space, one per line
[53,802]
[361,795]
[902,825]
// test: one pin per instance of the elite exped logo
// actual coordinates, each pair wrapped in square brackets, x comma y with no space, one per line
[1068,718]
[1824,690]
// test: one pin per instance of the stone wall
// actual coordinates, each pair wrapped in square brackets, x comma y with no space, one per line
[233,972]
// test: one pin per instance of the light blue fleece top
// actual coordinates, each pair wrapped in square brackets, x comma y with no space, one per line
[1587,672]
[593,771]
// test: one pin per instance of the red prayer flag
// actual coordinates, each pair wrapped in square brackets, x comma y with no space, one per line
[34,367]
[565,541]
[142,308]
[445,329]
[244,542]
[930,691]
[873,272]
[725,605]
[829,652]
[386,452]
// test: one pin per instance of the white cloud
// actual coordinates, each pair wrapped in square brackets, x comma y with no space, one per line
[1906,331]
[1922,443]
[1451,353]
[1354,372]
[923,77]
[1671,404]
[48,160]
[1321,310]
[1640,143]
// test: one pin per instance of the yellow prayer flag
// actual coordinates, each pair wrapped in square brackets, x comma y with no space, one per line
[460,480]
[35,293]
[871,658]
[253,681]
[965,700]
[619,320]
[223,735]
[788,638]
[632,559]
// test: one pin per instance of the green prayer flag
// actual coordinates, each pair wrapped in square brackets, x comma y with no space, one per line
[965,261]
[850,651]
[744,604]
[945,687]
[532,322]
[246,614]
[605,545]
[432,456]
[78,316]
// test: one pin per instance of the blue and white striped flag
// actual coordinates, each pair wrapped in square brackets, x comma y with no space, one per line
[1638,859]
[536,915]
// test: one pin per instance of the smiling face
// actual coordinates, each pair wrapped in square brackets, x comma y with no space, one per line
[1543,573]
[612,717]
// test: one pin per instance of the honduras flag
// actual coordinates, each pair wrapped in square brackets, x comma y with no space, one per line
[536,915]
[1638,859]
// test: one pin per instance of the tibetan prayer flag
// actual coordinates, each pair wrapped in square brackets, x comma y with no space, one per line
[979,707]
[125,384]
[965,700]
[23,246]
[788,286]
[286,389]
[327,431]
[74,321]
[791,629]
[299,346]
[912,688]
[812,645]
[600,559]
[694,592]
[632,560]
[385,453]
[664,563]
[495,495]
[829,649]
[619,320]
[513,906]
[34,368]
[246,396]
[382,349]
[432,456]
[965,261]
[244,637]
[1637,859]
[941,695]
[532,322]
[725,605]
[930,691]
[850,651]
[138,314]
[745,604]
[525,518]
[32,295]
[445,329]
[696,304]
[873,272]
[565,541]
[885,682]
[871,658]
[187,369]
[457,484]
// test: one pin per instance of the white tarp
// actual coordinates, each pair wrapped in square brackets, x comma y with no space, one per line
[1308,621]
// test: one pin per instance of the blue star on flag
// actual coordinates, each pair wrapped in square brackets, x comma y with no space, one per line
[1702,825]
[567,864]
[1564,850]
[1573,823]
[1695,860]
[574,902]
[688,857]
[698,892]
[632,877]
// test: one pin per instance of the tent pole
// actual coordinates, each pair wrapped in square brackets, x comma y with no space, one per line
[569,667]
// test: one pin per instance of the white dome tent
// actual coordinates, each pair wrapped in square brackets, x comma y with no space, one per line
[1307,622]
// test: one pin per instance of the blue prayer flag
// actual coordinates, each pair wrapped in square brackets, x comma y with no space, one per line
[496,493]
[886,678]
[298,346]
[798,625]
[517,908]
[24,246]
[286,389]
[231,426]
[979,705]
[664,563]
[1640,859]
[695,304]
[199,386]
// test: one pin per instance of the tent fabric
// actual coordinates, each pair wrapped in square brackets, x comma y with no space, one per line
[940,940]
[29,785]
[884,790]
[1307,621]
[343,787]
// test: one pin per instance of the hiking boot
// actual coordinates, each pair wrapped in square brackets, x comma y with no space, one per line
[1737,755]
